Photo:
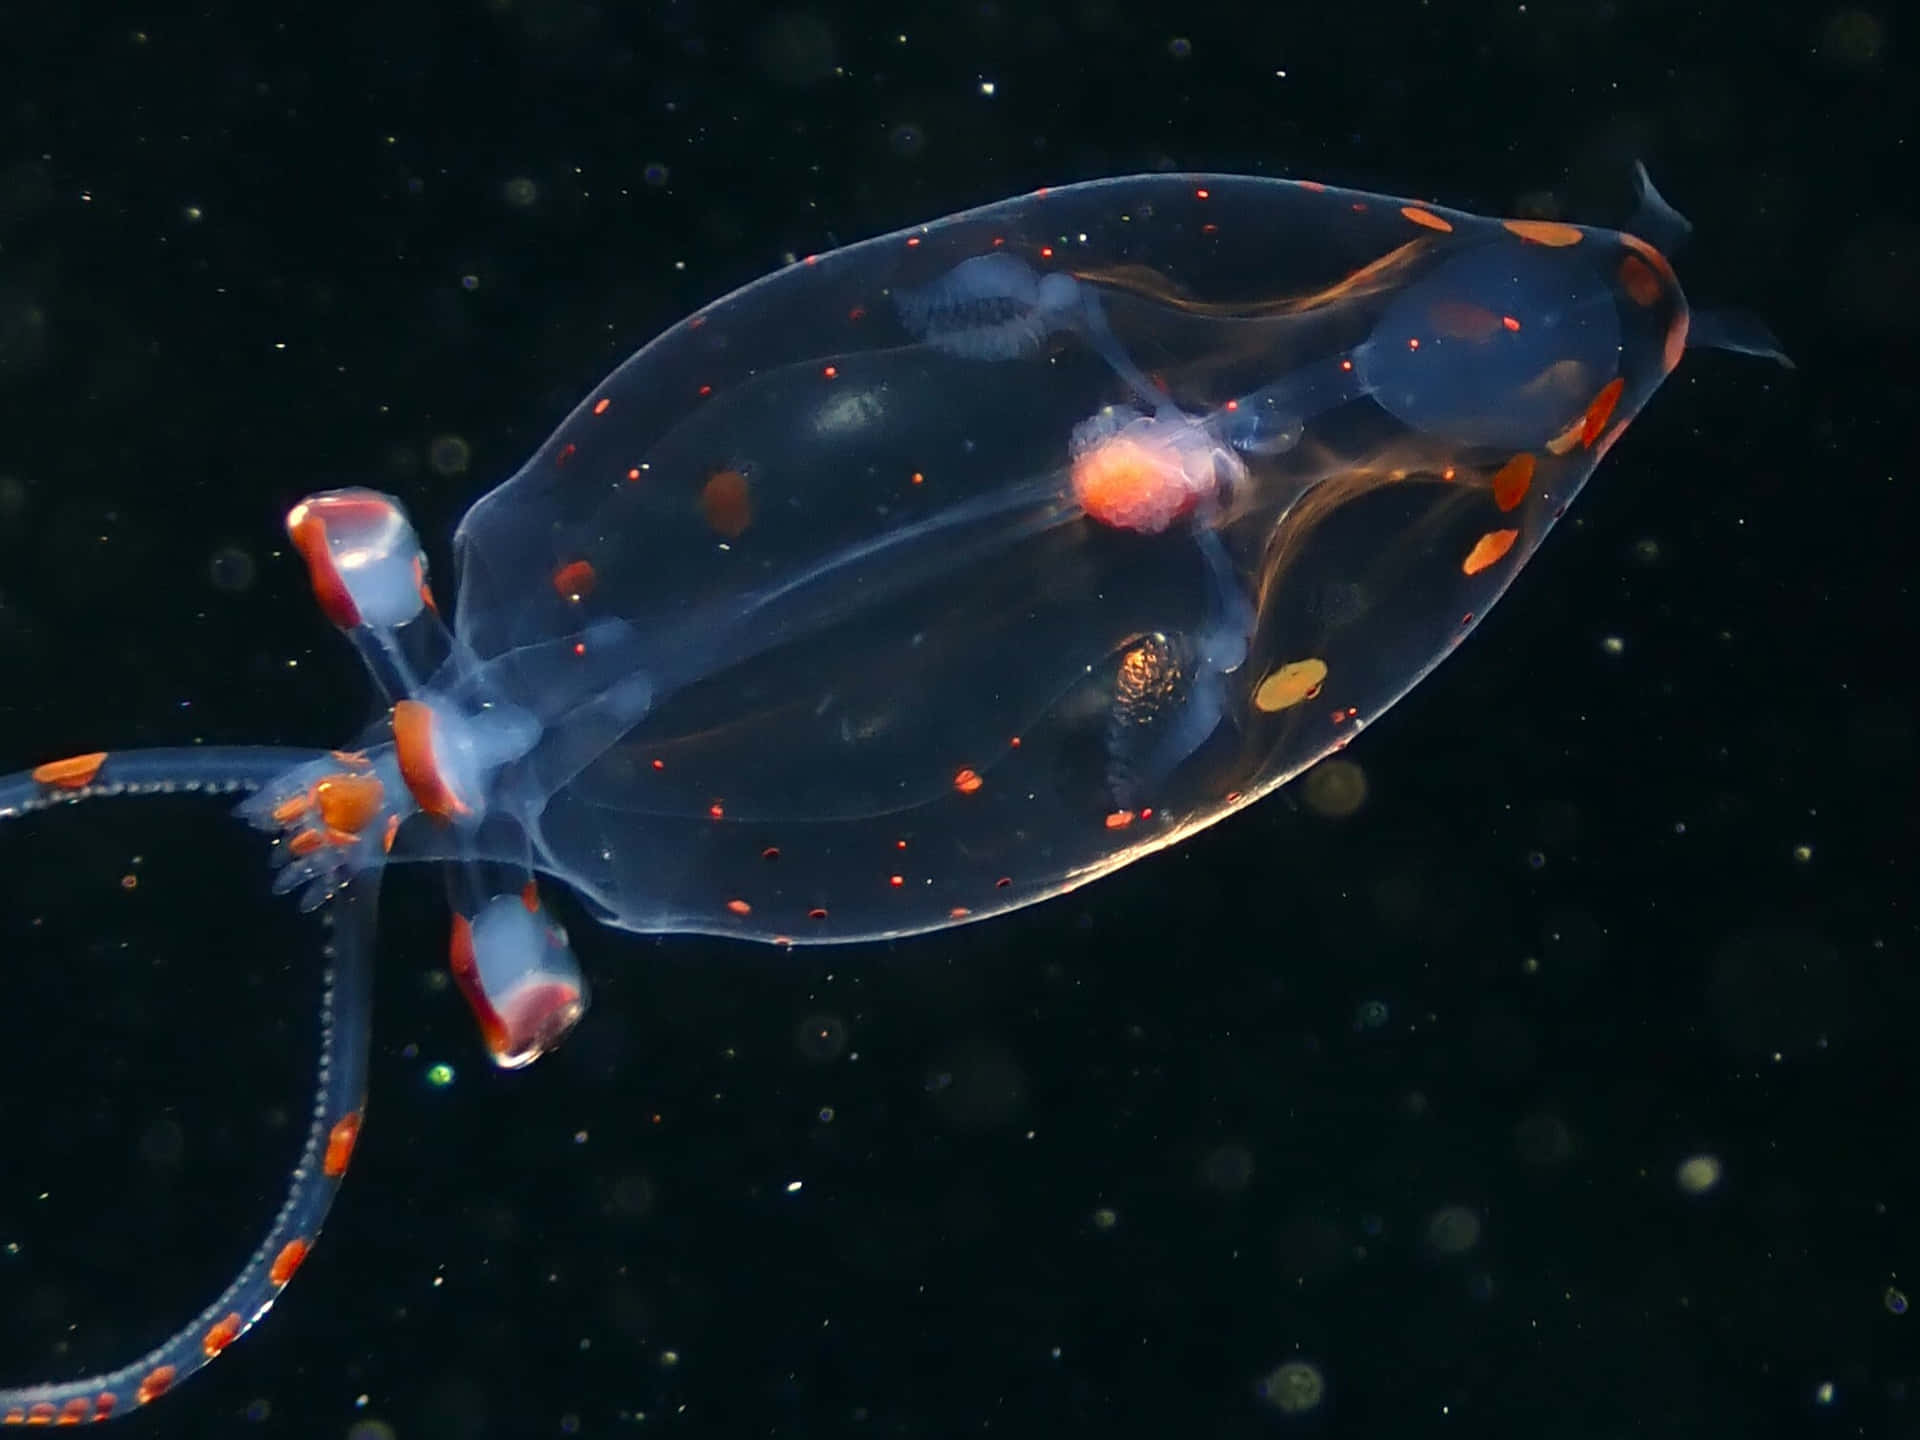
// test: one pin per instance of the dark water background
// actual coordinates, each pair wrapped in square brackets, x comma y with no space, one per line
[1408,1098]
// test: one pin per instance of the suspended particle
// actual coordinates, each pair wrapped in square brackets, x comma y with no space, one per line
[1227,1169]
[821,1038]
[469,282]
[1180,47]
[1105,1218]
[520,192]
[1895,1300]
[1614,645]
[1370,1015]
[654,173]
[1295,1388]
[907,140]
[1335,789]
[440,1076]
[1453,1230]
[449,455]
[1697,1174]
[231,569]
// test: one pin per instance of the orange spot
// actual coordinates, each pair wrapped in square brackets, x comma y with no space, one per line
[832,372]
[725,504]
[41,1414]
[306,842]
[1005,882]
[567,452]
[816,913]
[530,897]
[1676,338]
[1509,323]
[287,1261]
[419,765]
[1601,410]
[393,829]
[918,478]
[156,1384]
[717,811]
[633,472]
[600,405]
[967,781]
[739,907]
[1638,280]
[1677,328]
[1120,819]
[1488,550]
[309,535]
[1545,232]
[349,802]
[1511,480]
[340,1143]
[290,810]
[574,580]
[74,773]
[1427,218]
[896,881]
[1458,320]
[225,1331]
[772,852]
[958,912]
[76,1411]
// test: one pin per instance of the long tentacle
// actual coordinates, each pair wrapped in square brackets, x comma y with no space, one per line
[345,1016]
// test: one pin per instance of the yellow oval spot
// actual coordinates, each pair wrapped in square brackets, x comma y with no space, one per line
[1488,550]
[1567,438]
[1511,480]
[1545,232]
[1293,682]
[1427,218]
